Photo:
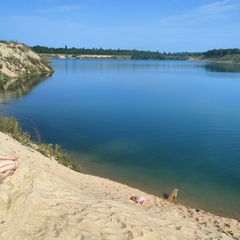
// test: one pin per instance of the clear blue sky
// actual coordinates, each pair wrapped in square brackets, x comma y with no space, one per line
[155,25]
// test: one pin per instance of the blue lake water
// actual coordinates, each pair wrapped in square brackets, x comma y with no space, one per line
[154,125]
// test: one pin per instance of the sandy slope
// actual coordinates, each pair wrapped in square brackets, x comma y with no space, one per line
[18,60]
[44,200]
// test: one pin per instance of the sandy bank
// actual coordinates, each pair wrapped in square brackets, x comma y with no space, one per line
[17,60]
[44,200]
[87,56]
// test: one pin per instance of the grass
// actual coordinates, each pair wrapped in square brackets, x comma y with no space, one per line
[10,125]
[231,58]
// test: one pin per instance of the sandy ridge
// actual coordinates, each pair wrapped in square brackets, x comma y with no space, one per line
[45,200]
[18,60]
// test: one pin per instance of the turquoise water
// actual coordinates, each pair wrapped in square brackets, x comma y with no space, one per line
[154,125]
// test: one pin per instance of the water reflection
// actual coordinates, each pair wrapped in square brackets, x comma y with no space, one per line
[16,88]
[148,65]
[222,67]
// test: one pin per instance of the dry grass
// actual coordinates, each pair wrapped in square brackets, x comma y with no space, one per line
[11,126]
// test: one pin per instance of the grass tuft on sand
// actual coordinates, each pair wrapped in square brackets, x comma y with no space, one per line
[11,126]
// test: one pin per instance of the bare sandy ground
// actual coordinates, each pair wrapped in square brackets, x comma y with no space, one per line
[45,200]
[91,56]
[18,60]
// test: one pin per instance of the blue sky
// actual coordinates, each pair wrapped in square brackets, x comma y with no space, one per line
[155,25]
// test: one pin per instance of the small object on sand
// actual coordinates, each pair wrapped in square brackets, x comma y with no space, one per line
[139,200]
[230,232]
[227,225]
[173,194]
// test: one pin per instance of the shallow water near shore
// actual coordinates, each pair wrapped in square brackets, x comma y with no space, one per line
[154,125]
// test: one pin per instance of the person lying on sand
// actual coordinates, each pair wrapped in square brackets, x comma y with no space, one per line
[139,200]
[8,163]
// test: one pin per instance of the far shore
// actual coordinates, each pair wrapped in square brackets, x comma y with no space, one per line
[228,60]
[215,60]
[80,56]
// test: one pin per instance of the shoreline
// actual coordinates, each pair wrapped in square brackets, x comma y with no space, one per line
[96,169]
[85,56]
[225,60]
[47,200]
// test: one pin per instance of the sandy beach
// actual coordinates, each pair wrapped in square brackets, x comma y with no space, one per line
[45,200]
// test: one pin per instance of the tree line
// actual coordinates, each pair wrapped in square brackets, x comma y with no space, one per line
[134,54]
[222,52]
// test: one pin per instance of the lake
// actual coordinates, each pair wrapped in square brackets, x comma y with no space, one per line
[154,125]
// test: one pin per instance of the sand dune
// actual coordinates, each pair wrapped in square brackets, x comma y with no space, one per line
[45,200]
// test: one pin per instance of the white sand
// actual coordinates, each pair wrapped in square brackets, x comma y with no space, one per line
[45,200]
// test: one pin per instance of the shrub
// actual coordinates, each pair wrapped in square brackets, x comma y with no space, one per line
[11,126]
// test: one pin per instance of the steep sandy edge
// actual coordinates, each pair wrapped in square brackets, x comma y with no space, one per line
[18,60]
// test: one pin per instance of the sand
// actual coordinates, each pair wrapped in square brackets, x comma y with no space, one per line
[18,60]
[88,56]
[45,200]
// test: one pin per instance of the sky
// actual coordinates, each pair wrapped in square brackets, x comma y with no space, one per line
[154,25]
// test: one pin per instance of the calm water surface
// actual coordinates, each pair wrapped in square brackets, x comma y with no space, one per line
[154,125]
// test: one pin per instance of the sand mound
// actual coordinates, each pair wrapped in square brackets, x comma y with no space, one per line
[18,60]
[44,200]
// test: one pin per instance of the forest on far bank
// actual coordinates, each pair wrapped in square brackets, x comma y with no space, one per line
[137,54]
